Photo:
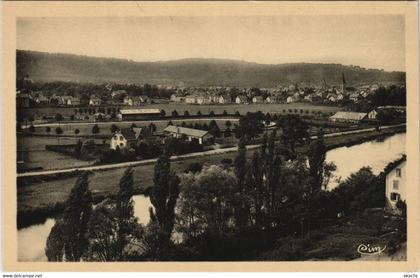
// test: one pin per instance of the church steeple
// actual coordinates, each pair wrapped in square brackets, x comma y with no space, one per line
[343,84]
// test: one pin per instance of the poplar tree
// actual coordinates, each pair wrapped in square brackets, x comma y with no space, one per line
[258,188]
[125,212]
[241,211]
[316,158]
[68,239]
[164,194]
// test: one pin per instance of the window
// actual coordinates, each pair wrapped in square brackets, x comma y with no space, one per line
[115,137]
[395,185]
[121,138]
[121,144]
[395,197]
[398,172]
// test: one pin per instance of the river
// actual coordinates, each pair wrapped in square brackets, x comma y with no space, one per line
[376,154]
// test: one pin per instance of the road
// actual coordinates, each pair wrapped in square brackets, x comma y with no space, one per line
[180,157]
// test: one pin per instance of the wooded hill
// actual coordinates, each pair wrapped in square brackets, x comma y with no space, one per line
[42,66]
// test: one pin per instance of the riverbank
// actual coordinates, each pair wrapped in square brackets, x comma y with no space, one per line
[41,197]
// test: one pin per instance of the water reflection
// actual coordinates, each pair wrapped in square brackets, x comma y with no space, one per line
[32,240]
[375,154]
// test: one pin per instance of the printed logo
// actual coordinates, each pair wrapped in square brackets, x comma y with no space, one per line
[370,249]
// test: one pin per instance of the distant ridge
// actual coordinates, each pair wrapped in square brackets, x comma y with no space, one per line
[42,66]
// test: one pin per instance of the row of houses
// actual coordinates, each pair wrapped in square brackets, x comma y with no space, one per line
[38,98]
[331,95]
[225,99]
[24,100]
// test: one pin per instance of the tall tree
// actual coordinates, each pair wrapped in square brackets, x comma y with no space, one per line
[255,181]
[316,158]
[68,239]
[319,171]
[58,117]
[127,223]
[163,197]
[240,163]
[294,130]
[114,128]
[95,129]
[214,128]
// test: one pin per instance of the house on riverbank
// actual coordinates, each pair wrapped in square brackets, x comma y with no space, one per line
[395,184]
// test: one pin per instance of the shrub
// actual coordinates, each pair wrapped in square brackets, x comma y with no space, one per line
[58,130]
[226,161]
[194,167]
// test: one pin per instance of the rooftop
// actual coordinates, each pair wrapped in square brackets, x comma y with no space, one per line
[128,134]
[139,111]
[185,130]
[348,115]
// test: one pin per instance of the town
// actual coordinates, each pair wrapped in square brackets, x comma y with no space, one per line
[60,135]
[124,120]
[211,139]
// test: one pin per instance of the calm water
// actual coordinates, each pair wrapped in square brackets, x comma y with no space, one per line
[32,240]
[376,154]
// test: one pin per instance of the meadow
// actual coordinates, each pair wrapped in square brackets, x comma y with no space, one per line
[301,108]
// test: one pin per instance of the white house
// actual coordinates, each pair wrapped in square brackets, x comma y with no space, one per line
[258,99]
[241,100]
[290,99]
[95,101]
[203,100]
[395,187]
[372,114]
[176,98]
[190,99]
[355,97]
[123,138]
[225,99]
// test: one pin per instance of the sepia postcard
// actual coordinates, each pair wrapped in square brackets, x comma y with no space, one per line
[210,136]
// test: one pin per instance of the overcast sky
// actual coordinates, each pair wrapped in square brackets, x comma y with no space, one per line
[374,41]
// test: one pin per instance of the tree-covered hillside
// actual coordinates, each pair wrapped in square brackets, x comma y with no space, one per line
[191,72]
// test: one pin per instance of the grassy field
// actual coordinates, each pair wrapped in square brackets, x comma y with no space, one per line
[39,157]
[42,194]
[301,108]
